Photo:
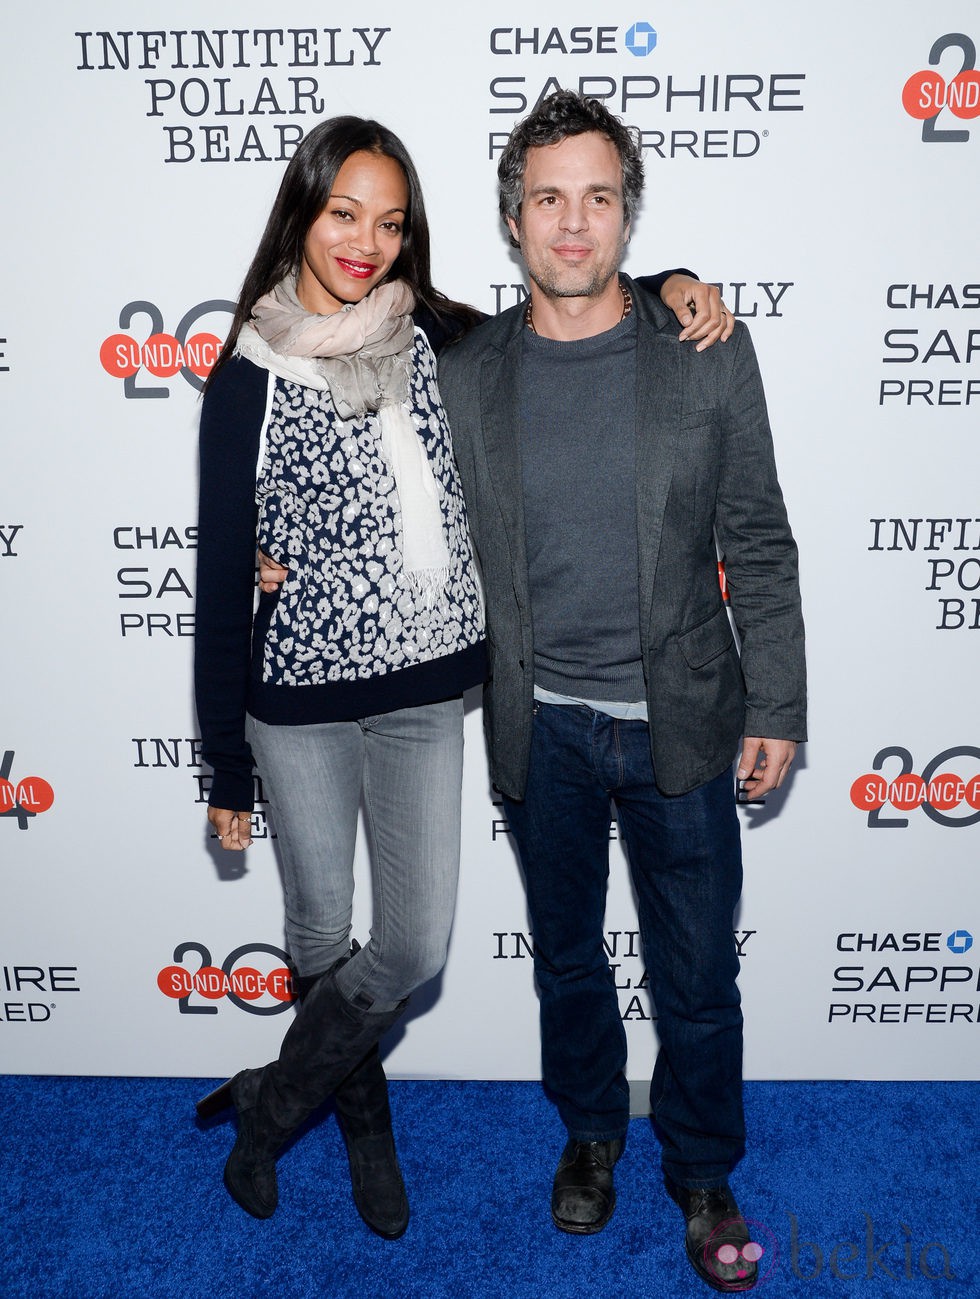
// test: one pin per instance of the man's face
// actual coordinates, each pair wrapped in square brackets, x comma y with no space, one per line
[572,227]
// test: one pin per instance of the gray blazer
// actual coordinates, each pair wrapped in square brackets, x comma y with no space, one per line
[705,482]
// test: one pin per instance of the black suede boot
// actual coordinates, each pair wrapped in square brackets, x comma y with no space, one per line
[364,1118]
[250,1174]
[327,1039]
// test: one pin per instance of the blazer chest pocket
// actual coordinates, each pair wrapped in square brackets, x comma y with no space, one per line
[699,417]
[702,644]
[697,448]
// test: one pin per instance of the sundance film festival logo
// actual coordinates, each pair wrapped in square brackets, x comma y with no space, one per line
[140,357]
[946,789]
[254,977]
[938,101]
[24,799]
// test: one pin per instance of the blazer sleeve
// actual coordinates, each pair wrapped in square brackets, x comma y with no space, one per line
[760,555]
[231,423]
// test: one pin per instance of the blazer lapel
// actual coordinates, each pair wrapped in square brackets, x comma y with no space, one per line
[500,378]
[658,417]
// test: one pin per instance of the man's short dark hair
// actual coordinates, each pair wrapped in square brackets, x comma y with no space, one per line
[563,114]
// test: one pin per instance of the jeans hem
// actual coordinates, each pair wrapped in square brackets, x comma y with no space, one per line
[608,1134]
[714,1182]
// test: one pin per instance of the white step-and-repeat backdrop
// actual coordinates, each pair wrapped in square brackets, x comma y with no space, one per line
[821,164]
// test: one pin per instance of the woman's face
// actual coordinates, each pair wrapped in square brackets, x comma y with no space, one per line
[355,240]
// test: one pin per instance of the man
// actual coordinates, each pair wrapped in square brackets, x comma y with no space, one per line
[606,464]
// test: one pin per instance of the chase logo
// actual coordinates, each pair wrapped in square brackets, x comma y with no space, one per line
[641,40]
[959,941]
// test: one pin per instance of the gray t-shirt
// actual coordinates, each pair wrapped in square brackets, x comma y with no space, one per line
[578,419]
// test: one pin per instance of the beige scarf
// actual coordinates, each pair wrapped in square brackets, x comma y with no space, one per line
[362,355]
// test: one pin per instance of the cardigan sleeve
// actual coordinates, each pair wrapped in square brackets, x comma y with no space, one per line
[441,331]
[231,423]
[654,283]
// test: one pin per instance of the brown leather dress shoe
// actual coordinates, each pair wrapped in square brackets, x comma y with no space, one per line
[583,1196]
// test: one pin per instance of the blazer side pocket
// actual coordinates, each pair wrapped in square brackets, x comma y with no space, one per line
[703,643]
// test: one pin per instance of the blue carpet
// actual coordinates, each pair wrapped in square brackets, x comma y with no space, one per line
[108,1187]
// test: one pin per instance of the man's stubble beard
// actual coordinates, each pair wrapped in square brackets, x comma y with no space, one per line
[592,288]
[555,284]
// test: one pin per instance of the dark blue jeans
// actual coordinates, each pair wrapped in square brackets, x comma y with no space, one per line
[685,860]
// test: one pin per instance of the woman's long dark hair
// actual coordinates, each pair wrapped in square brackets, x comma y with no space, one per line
[302,196]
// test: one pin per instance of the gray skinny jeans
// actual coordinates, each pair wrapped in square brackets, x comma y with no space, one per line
[406,767]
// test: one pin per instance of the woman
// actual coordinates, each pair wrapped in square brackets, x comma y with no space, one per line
[323,439]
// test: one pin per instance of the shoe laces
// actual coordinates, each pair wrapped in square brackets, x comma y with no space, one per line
[708,1199]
